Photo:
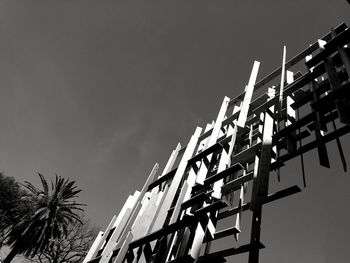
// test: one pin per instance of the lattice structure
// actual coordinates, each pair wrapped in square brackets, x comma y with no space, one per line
[224,169]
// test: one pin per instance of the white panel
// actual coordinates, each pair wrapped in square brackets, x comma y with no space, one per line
[93,247]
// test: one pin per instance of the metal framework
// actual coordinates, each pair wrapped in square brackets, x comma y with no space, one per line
[224,169]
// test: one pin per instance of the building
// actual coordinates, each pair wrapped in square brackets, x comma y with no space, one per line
[223,171]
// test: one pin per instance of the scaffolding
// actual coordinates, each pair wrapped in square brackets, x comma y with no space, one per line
[224,170]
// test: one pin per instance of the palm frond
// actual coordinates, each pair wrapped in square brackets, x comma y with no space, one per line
[44,183]
[52,212]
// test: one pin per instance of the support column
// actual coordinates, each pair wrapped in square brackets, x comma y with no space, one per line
[260,187]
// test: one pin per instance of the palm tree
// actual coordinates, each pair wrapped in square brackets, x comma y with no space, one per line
[46,220]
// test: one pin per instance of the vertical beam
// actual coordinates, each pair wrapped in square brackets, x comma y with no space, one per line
[93,247]
[124,248]
[184,242]
[233,129]
[143,221]
[340,148]
[342,104]
[169,166]
[129,204]
[344,57]
[248,95]
[283,72]
[301,154]
[103,239]
[149,180]
[188,184]
[260,188]
[180,200]
[225,156]
[244,187]
[342,54]
[280,103]
[126,232]
[174,187]
[321,147]
[138,205]
[112,242]
[162,194]
[153,207]
[257,159]
[225,161]
[165,206]
[193,175]
[218,123]
[202,173]
[291,117]
[118,226]
[239,214]
[171,239]
[241,123]
[265,158]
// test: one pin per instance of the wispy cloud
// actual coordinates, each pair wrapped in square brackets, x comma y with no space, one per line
[108,145]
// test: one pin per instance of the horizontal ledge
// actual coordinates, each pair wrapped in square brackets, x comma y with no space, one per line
[236,99]
[205,134]
[232,169]
[283,193]
[312,145]
[228,252]
[187,221]
[327,102]
[210,208]
[220,144]
[191,220]
[302,135]
[252,119]
[162,179]
[297,58]
[272,197]
[183,259]
[200,187]
[300,82]
[234,184]
[224,233]
[95,260]
[321,87]
[195,200]
[330,47]
[277,164]
[296,125]
[263,99]
[246,155]
[230,119]
[326,119]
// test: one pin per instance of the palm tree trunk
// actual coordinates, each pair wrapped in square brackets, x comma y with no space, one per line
[10,256]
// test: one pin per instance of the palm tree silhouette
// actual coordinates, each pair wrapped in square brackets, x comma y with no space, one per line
[47,218]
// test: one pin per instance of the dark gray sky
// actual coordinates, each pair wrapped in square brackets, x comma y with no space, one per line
[98,91]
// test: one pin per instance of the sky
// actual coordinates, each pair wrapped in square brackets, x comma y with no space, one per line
[98,91]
